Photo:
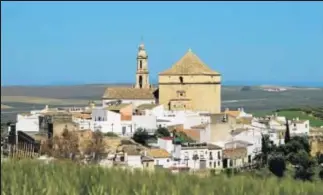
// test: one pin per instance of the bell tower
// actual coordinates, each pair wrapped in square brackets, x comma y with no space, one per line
[142,74]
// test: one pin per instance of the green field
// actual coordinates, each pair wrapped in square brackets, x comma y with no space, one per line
[314,121]
[29,178]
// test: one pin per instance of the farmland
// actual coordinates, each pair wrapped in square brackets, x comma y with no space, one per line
[30,177]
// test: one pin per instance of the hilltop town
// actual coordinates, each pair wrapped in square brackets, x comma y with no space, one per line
[180,125]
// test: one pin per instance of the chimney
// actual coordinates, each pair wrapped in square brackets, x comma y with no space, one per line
[227,109]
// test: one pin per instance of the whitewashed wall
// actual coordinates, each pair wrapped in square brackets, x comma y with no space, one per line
[27,123]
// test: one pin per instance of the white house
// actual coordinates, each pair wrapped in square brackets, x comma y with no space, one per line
[166,143]
[252,139]
[27,122]
[148,122]
[106,121]
[299,127]
[198,156]
[161,157]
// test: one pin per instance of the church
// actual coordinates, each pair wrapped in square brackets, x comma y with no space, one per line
[188,85]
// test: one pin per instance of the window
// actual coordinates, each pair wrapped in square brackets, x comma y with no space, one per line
[219,155]
[214,164]
[210,164]
[305,125]
[231,162]
[140,81]
[181,80]
[140,64]
[219,163]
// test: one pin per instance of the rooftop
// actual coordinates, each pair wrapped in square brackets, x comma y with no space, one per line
[146,106]
[235,153]
[189,146]
[117,107]
[190,64]
[158,153]
[129,93]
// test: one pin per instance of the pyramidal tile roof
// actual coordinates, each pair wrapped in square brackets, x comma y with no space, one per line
[189,64]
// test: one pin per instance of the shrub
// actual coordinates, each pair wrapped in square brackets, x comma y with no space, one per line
[321,173]
[111,134]
[277,165]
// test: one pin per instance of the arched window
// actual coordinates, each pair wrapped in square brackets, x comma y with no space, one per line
[181,80]
[140,64]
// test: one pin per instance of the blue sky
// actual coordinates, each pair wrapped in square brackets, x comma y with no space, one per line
[96,42]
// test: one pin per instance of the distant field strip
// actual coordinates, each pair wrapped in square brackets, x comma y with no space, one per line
[242,100]
[41,100]
[5,106]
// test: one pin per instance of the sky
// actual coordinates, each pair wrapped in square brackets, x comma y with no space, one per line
[48,43]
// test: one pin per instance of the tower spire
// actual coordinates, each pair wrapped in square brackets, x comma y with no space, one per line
[142,74]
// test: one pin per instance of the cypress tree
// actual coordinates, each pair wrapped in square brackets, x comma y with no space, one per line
[287,133]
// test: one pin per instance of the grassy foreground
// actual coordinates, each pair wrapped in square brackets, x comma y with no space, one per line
[30,177]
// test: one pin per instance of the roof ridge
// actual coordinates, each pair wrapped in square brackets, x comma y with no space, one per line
[190,63]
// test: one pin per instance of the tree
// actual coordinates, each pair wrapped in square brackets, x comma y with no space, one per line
[321,173]
[141,136]
[266,149]
[304,166]
[287,133]
[95,146]
[162,132]
[64,146]
[319,157]
[277,165]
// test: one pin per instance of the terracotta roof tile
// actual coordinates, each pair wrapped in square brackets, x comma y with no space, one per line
[189,64]
[116,107]
[193,134]
[234,153]
[129,93]
[158,153]
[146,106]
[200,126]
[126,117]
[234,113]
[245,120]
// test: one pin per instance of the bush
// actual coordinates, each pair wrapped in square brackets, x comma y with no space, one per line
[277,165]
[321,173]
[111,134]
[31,177]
